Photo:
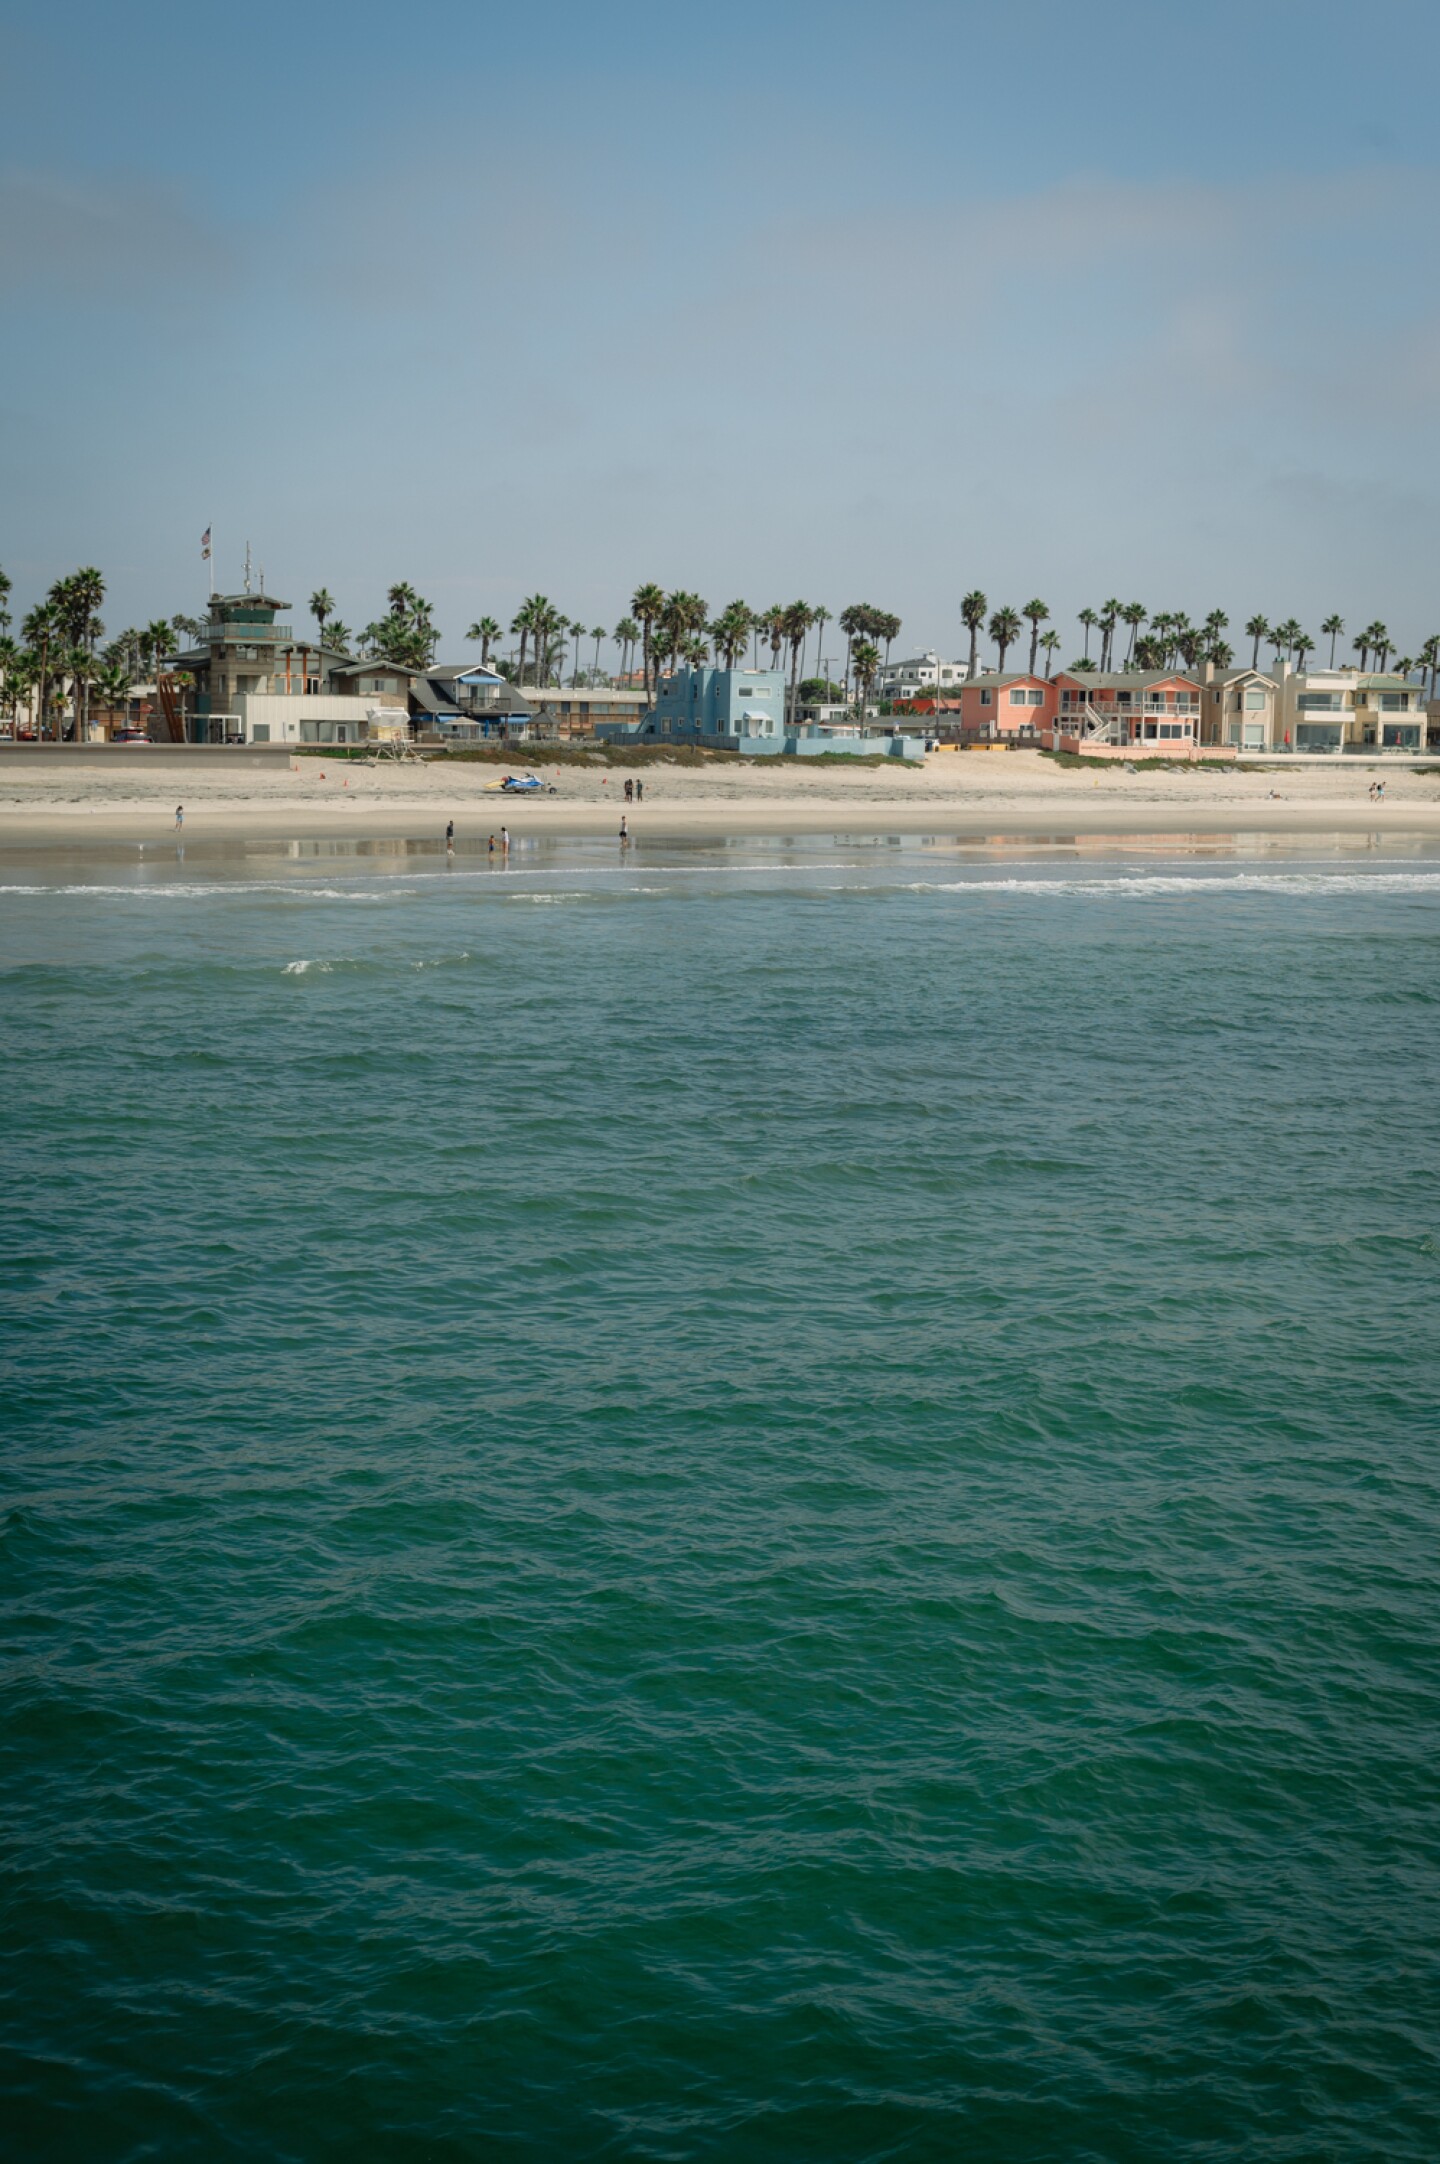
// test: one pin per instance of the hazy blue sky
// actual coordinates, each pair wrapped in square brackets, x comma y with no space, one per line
[836,302]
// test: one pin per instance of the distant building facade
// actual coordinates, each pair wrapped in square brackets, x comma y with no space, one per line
[920,677]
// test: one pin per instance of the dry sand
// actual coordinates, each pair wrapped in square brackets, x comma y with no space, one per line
[966,794]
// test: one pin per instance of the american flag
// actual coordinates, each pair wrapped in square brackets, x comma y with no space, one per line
[205,546]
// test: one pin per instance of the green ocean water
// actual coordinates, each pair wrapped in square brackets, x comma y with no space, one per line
[765,1504]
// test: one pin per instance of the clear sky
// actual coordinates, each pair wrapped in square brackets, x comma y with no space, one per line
[827,302]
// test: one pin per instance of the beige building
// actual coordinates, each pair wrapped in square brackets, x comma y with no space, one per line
[1315,710]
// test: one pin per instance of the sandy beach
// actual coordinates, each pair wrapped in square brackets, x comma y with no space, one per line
[959,794]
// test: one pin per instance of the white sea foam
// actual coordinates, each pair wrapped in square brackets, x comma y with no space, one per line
[1134,885]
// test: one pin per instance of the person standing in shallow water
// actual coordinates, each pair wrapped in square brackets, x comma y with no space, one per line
[449,837]
[179,815]
[505,841]
[624,830]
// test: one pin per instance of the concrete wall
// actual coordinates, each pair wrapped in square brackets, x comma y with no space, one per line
[298,720]
[144,756]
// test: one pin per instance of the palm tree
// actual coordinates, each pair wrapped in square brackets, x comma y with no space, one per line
[730,631]
[797,629]
[1134,614]
[1302,646]
[972,616]
[1331,629]
[819,618]
[852,621]
[487,631]
[1382,644]
[1109,617]
[1050,641]
[1038,614]
[1004,630]
[597,633]
[1256,629]
[322,608]
[520,623]
[578,633]
[646,604]
[1430,659]
[340,636]
[626,635]
[1089,619]
[887,627]
[865,660]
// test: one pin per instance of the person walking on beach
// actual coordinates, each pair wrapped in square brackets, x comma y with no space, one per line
[491,850]
[624,831]
[449,837]
[639,792]
[179,815]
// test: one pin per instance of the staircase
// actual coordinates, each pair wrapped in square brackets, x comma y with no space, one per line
[170,712]
[1098,728]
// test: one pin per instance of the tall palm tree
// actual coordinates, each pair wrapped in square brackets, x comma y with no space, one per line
[626,635]
[322,608]
[1089,619]
[1430,659]
[730,632]
[520,622]
[1109,617]
[852,621]
[1004,630]
[1302,647]
[646,604]
[819,618]
[1038,614]
[972,616]
[579,634]
[597,633]
[1381,644]
[865,661]
[1134,613]
[1050,641]
[1331,629]
[487,631]
[797,628]
[1256,629]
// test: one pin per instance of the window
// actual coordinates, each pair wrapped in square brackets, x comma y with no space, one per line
[1020,698]
[984,698]
[1255,702]
[1395,702]
[1323,702]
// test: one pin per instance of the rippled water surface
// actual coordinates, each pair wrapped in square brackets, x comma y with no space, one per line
[777,1506]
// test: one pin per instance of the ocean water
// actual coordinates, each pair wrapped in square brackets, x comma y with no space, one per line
[777,1504]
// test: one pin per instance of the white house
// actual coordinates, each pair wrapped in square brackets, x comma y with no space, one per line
[921,674]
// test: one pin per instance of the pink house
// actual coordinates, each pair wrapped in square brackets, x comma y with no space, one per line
[1007,705]
[1142,708]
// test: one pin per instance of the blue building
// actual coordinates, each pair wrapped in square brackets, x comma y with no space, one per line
[744,710]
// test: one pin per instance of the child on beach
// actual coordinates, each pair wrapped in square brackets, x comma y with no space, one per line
[179,815]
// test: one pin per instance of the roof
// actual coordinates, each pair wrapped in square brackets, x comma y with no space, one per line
[993,679]
[356,664]
[469,672]
[1130,679]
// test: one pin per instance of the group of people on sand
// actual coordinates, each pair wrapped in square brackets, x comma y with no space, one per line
[1377,792]
[634,792]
